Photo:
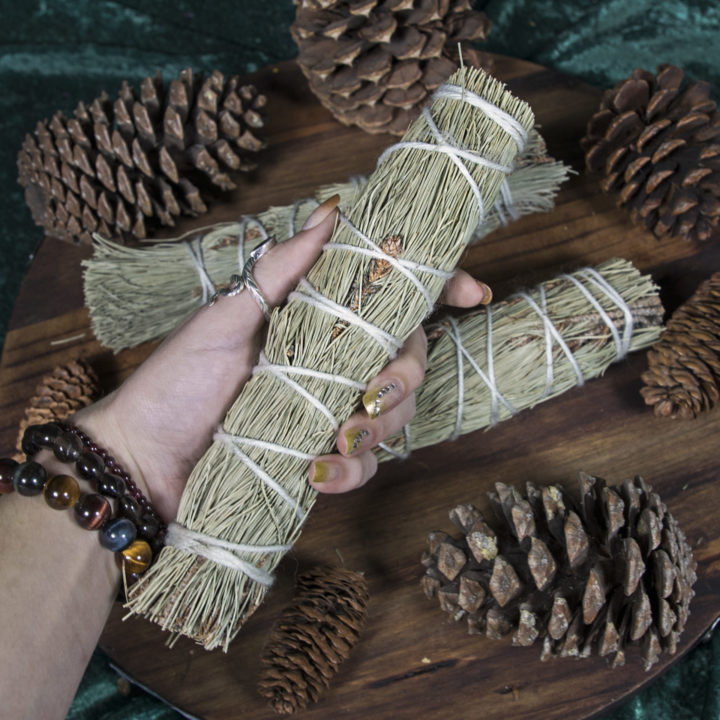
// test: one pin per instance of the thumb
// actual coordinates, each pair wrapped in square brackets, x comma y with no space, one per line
[280,269]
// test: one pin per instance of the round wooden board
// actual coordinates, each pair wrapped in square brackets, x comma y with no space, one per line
[412,662]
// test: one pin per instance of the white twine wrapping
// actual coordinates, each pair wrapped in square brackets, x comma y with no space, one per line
[551,334]
[194,248]
[195,251]
[221,551]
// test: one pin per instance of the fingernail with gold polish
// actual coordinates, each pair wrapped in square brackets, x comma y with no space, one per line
[354,439]
[323,471]
[488,296]
[321,212]
[379,399]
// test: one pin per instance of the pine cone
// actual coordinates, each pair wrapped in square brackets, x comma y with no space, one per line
[611,571]
[683,375]
[373,63]
[659,147]
[121,168]
[312,637]
[61,393]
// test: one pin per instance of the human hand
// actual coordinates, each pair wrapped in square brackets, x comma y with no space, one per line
[161,420]
[389,401]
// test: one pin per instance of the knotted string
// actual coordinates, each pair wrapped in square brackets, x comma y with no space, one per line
[194,248]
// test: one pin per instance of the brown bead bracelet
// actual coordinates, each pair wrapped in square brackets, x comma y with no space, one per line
[136,533]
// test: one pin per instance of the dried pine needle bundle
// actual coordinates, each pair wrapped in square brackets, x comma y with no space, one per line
[138,294]
[247,498]
[491,363]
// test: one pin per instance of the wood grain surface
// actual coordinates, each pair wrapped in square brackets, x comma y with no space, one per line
[411,661]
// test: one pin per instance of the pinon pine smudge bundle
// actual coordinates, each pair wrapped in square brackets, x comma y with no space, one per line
[247,498]
[489,364]
[600,574]
[313,636]
[139,294]
[683,375]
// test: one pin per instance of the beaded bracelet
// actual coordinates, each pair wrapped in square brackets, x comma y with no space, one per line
[136,533]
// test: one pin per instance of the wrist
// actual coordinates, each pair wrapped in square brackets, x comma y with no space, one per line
[100,422]
[97,423]
[74,473]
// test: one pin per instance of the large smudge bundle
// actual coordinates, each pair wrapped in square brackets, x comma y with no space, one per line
[378,278]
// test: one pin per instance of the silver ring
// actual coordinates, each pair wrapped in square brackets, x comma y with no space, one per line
[246,280]
[249,279]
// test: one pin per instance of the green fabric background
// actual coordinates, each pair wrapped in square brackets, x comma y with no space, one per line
[54,53]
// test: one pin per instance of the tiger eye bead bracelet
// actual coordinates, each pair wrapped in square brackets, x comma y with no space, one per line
[136,533]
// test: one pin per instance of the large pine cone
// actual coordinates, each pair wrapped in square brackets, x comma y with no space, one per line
[312,637]
[683,375]
[610,571]
[658,146]
[121,168]
[67,389]
[373,62]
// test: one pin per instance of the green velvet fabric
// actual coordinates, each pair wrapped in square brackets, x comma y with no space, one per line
[54,53]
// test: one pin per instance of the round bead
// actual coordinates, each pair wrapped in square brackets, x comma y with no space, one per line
[148,526]
[136,557]
[61,492]
[67,447]
[46,434]
[130,508]
[37,436]
[29,478]
[28,443]
[110,485]
[157,543]
[7,468]
[117,534]
[92,511]
[90,465]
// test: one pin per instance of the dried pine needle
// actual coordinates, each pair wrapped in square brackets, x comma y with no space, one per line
[140,294]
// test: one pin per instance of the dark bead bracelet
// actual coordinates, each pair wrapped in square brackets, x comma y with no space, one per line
[136,533]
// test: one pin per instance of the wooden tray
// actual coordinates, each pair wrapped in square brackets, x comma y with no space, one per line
[412,662]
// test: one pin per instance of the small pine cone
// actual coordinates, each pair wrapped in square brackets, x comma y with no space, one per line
[683,375]
[610,571]
[658,146]
[373,63]
[122,168]
[61,393]
[312,637]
